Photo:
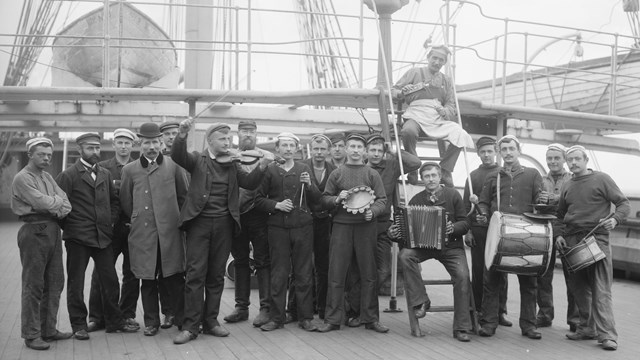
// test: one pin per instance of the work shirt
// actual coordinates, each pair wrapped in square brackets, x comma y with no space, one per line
[519,189]
[36,193]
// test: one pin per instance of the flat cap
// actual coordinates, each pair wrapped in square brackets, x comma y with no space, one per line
[509,138]
[216,127]
[485,140]
[37,141]
[321,137]
[374,137]
[124,133]
[576,148]
[356,136]
[336,138]
[428,163]
[169,125]
[288,136]
[247,124]
[440,50]
[89,138]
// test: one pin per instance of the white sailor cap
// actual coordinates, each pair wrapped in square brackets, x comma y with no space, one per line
[37,141]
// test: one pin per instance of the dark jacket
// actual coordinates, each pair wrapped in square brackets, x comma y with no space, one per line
[451,201]
[278,185]
[518,190]
[316,207]
[200,167]
[94,206]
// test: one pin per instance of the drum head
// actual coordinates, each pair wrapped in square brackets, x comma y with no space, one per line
[493,239]
[359,199]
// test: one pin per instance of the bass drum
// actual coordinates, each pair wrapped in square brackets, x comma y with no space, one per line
[518,245]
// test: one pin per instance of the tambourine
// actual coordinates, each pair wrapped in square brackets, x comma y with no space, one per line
[359,199]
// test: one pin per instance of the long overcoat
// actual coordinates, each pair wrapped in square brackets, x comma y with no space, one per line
[151,195]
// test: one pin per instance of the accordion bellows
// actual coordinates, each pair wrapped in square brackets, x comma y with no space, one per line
[421,226]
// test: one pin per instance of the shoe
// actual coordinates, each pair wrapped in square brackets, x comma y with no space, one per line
[290,317]
[217,331]
[532,334]
[609,345]
[132,322]
[81,335]
[421,310]
[184,337]
[543,323]
[237,315]
[573,327]
[271,325]
[124,328]
[328,327]
[58,336]
[461,336]
[94,326]
[262,318]
[354,322]
[151,331]
[39,344]
[307,325]
[502,320]
[580,336]
[168,321]
[486,332]
[377,327]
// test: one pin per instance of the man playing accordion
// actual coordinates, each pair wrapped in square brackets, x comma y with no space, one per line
[451,255]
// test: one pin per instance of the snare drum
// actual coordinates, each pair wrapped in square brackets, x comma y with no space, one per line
[518,245]
[585,253]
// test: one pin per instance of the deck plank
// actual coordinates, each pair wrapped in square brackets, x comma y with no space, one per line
[248,342]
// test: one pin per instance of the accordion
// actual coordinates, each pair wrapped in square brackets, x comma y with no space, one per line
[421,226]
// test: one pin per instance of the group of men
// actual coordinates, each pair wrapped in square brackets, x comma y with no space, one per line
[176,216]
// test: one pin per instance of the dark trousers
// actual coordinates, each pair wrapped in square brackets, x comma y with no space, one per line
[592,286]
[493,282]
[411,130]
[455,261]
[254,232]
[130,285]
[150,291]
[291,250]
[544,295]
[77,260]
[164,294]
[347,240]
[321,239]
[477,270]
[208,247]
[42,278]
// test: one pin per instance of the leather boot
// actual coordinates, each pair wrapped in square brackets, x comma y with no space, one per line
[264,282]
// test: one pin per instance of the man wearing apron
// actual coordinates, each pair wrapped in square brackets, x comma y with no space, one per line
[511,190]
[432,111]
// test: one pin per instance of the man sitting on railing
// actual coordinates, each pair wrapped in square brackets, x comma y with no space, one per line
[432,111]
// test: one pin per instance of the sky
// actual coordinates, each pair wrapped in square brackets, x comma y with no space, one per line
[275,72]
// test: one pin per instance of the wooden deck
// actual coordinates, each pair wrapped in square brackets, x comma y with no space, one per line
[247,342]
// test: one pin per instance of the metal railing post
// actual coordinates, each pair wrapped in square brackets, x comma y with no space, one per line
[249,45]
[495,70]
[504,60]
[524,71]
[614,76]
[105,45]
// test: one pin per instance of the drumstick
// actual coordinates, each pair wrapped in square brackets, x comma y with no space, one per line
[599,225]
